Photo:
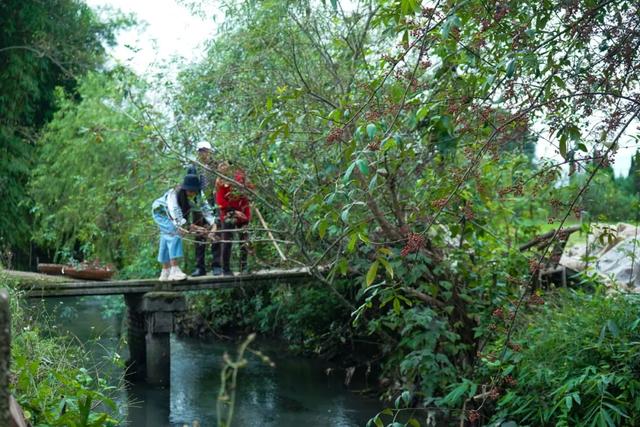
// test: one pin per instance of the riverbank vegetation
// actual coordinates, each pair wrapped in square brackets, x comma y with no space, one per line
[392,145]
[52,378]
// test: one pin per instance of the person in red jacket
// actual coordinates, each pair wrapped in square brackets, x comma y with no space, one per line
[235,214]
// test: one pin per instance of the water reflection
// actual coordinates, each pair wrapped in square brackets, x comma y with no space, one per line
[297,392]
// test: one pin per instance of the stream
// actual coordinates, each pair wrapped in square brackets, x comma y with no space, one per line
[296,392]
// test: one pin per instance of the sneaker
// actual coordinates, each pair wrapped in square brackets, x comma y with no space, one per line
[217,271]
[198,272]
[164,276]
[176,274]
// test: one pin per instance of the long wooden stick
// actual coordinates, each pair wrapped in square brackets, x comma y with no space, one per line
[273,240]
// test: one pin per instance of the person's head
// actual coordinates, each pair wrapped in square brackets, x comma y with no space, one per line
[204,150]
[191,185]
[224,168]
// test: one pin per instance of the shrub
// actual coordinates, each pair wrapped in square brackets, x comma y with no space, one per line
[51,379]
[572,362]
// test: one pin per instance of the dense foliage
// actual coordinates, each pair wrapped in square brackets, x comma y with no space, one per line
[43,45]
[574,363]
[98,173]
[390,144]
[54,380]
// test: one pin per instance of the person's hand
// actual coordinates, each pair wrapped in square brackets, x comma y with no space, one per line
[241,216]
[200,231]
[182,231]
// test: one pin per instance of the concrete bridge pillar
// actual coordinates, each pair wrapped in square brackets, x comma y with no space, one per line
[136,366]
[151,321]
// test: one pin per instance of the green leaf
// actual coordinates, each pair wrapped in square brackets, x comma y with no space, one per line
[352,242]
[568,401]
[347,175]
[387,266]
[511,67]
[334,115]
[363,166]
[406,397]
[396,306]
[613,328]
[372,129]
[563,146]
[344,216]
[454,395]
[373,183]
[322,228]
[422,113]
[389,144]
[372,273]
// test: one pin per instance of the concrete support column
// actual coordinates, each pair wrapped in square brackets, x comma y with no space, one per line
[5,358]
[159,309]
[136,337]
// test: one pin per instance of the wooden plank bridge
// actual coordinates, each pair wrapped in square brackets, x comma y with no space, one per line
[42,286]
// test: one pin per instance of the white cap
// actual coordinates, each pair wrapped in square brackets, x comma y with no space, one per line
[203,145]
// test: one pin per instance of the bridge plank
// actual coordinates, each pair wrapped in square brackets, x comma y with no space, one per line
[37,289]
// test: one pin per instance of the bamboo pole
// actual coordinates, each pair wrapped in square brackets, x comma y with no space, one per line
[273,240]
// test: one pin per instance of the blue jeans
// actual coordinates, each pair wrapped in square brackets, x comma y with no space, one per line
[170,241]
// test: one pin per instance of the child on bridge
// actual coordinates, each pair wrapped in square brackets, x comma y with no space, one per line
[170,212]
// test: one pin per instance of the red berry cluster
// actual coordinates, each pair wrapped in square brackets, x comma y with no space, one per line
[515,280]
[510,381]
[473,415]
[536,300]
[373,146]
[501,11]
[494,393]
[534,265]
[335,135]
[414,243]
[498,312]
[514,346]
[427,11]
[440,203]
[468,211]
[373,115]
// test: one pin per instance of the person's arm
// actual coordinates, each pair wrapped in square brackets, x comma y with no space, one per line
[207,212]
[173,208]
[244,211]
[247,210]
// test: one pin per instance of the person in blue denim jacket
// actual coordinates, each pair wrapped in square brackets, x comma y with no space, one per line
[169,213]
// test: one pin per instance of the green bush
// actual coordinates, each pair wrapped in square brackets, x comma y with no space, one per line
[305,316]
[572,362]
[51,380]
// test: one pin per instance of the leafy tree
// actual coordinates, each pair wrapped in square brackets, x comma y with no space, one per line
[99,171]
[42,45]
[377,138]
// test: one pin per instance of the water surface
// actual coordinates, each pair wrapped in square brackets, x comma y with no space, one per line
[297,392]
